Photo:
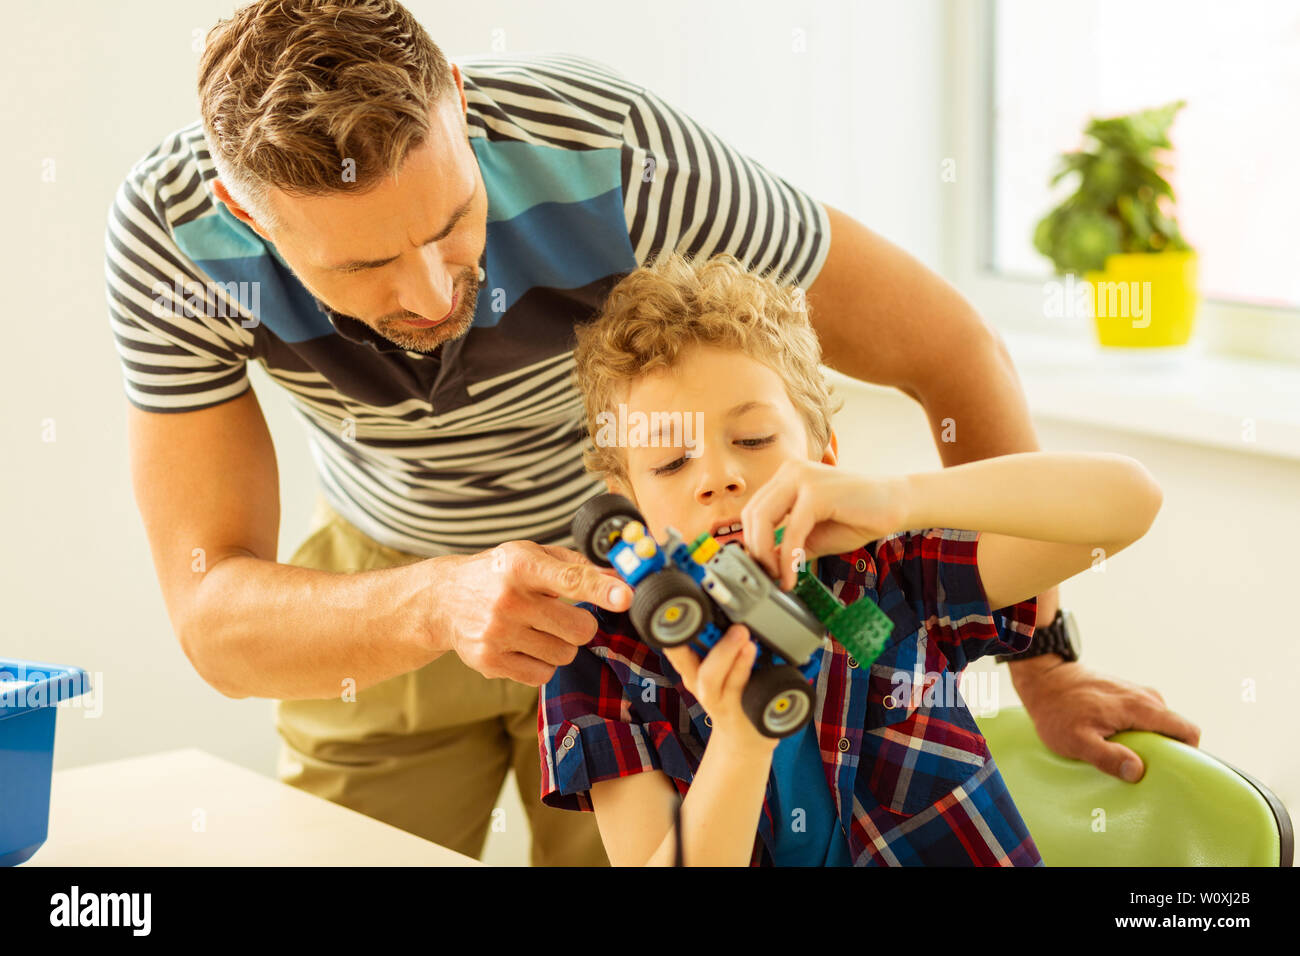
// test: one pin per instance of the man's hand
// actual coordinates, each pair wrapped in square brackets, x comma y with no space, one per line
[1075,710]
[506,612]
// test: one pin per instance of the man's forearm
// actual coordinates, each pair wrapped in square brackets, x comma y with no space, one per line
[264,629]
[989,416]
[882,316]
[981,413]
[977,409]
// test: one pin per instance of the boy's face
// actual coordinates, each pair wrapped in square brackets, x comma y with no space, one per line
[738,425]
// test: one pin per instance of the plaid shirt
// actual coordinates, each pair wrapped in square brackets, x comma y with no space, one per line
[912,779]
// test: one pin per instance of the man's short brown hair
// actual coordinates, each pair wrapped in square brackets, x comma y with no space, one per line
[290,89]
[665,307]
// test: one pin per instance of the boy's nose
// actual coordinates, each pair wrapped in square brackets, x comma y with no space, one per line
[709,490]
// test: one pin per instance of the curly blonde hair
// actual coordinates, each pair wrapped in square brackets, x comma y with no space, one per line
[290,89]
[660,310]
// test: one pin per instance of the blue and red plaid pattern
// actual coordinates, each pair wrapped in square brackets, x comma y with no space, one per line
[912,778]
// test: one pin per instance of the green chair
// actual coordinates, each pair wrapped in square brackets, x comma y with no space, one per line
[1190,809]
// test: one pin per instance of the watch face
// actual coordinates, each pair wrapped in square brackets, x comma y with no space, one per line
[1071,629]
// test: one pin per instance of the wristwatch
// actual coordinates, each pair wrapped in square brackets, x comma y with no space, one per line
[1059,637]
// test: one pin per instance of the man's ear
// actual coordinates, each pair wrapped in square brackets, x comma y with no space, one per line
[460,88]
[239,211]
[832,454]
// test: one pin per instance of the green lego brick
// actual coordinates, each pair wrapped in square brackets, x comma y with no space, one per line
[863,628]
[816,597]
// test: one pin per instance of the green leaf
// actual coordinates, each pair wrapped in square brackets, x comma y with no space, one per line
[1105,176]
[1070,163]
[1135,217]
[1045,234]
[1116,205]
[1087,238]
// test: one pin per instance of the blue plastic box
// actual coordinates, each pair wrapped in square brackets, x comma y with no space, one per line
[28,693]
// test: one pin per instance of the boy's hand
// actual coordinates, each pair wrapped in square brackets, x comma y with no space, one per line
[718,682]
[825,510]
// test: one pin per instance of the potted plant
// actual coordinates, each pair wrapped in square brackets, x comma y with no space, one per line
[1118,231]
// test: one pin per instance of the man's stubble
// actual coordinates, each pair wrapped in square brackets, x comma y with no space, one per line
[428,340]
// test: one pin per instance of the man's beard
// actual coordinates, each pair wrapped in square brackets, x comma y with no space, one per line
[413,339]
[453,327]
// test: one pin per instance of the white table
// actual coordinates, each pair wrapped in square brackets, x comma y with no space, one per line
[189,808]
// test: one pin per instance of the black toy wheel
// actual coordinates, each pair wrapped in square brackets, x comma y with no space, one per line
[778,701]
[599,522]
[669,609]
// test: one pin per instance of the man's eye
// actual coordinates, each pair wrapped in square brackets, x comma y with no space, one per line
[756,442]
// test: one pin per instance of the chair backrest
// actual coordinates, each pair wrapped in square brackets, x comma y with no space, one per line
[1190,808]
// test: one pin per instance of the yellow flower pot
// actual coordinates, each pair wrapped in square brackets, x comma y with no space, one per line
[1145,299]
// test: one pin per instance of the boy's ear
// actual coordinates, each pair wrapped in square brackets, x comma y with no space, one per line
[616,487]
[832,454]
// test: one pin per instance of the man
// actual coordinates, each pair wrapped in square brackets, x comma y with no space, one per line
[406,245]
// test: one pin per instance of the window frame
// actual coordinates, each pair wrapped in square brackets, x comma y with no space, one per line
[1013,302]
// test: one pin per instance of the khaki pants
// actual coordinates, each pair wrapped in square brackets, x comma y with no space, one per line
[427,751]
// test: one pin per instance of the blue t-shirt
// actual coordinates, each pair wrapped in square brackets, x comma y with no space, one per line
[813,837]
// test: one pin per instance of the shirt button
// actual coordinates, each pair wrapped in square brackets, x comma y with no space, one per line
[844,745]
[853,662]
[888,702]
[708,721]
[567,742]
[861,564]
[482,275]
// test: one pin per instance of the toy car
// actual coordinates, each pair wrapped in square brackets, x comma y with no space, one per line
[691,594]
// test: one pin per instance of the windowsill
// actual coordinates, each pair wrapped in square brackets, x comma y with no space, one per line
[1238,404]
[1195,397]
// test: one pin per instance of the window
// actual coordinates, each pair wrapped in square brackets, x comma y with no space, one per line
[1052,65]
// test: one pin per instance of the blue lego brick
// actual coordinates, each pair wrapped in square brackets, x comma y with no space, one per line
[682,558]
[631,567]
[706,639]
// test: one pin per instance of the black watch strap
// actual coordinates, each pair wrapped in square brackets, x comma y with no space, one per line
[1059,637]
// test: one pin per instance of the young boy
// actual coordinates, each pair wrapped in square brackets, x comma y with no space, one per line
[892,770]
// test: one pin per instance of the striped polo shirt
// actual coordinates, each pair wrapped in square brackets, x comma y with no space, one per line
[480,441]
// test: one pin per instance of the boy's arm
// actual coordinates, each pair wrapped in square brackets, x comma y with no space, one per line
[598,752]
[719,813]
[864,304]
[1043,515]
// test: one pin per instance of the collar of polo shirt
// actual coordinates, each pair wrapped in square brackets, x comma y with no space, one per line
[357,331]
